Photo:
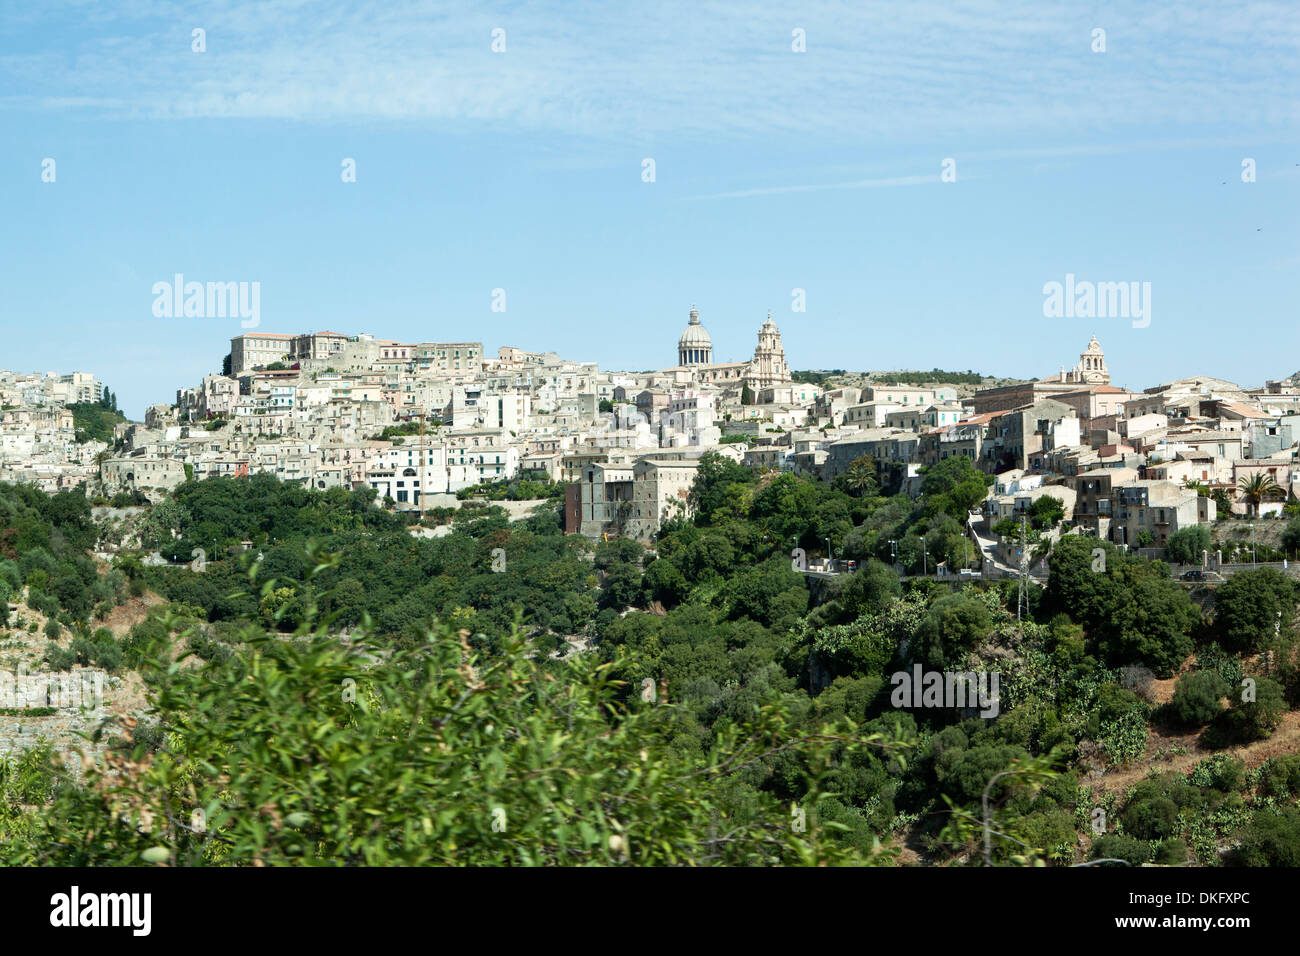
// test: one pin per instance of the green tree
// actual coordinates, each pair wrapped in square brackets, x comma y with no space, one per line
[772,593]
[1291,536]
[954,486]
[1252,607]
[92,421]
[1153,623]
[1251,716]
[1047,511]
[316,753]
[1185,546]
[665,583]
[1222,503]
[713,480]
[873,587]
[622,586]
[953,626]
[1258,488]
[860,479]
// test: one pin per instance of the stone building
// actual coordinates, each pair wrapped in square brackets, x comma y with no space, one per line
[695,357]
[258,349]
[1089,374]
[1091,369]
[768,367]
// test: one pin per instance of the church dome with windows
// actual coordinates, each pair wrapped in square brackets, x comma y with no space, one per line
[694,347]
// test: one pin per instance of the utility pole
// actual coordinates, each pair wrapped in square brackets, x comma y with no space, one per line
[424,479]
[1277,637]
[1022,596]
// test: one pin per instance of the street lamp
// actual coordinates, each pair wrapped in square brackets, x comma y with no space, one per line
[830,560]
[893,552]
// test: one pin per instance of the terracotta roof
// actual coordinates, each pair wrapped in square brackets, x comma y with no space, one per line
[1099,390]
[1244,410]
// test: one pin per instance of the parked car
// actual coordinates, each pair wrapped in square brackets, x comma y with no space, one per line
[1194,575]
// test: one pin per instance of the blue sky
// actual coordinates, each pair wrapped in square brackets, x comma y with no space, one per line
[774,170]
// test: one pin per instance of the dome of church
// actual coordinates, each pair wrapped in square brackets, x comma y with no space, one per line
[694,347]
[694,336]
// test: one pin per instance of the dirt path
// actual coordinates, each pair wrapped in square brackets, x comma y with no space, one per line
[1285,740]
[122,618]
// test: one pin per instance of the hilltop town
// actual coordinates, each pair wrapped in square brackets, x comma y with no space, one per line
[420,422]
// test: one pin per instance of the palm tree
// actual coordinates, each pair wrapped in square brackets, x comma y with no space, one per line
[1257,488]
[860,477]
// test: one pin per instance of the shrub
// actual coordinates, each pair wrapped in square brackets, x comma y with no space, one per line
[1280,777]
[1172,852]
[59,658]
[1198,698]
[1116,846]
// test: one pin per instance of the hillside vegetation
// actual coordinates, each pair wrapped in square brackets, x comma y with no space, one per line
[327,688]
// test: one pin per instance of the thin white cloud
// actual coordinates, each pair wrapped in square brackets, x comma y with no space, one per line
[725,70]
[815,187]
